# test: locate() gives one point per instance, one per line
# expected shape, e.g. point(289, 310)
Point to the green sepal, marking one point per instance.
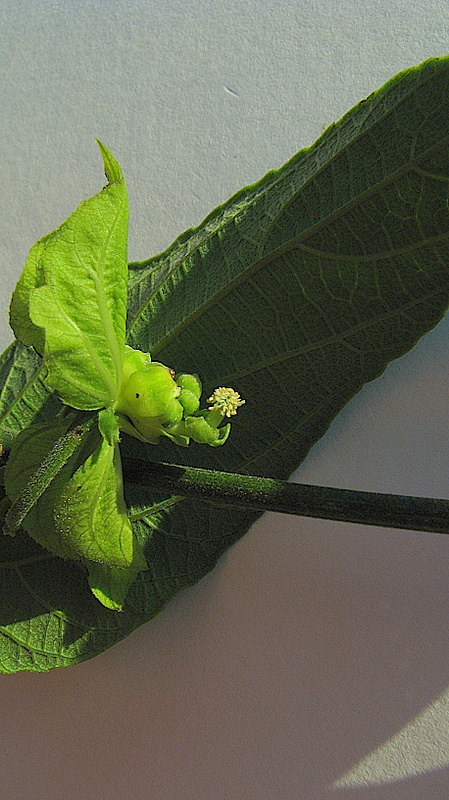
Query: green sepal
point(190, 382)
point(148, 392)
point(149, 400)
point(199, 429)
point(127, 426)
point(189, 402)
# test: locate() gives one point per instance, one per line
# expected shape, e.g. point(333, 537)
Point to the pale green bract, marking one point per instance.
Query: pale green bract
point(81, 515)
point(70, 305)
point(74, 288)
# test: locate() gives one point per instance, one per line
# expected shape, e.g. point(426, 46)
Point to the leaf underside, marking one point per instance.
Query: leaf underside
point(296, 292)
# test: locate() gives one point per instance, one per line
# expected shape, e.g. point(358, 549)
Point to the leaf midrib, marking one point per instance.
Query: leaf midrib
point(97, 276)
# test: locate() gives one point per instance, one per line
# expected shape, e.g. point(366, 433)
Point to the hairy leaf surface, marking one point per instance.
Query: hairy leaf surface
point(19, 316)
point(72, 296)
point(24, 398)
point(296, 292)
point(30, 449)
point(91, 516)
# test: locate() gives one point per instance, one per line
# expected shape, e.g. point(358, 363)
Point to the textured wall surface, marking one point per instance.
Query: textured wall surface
point(313, 662)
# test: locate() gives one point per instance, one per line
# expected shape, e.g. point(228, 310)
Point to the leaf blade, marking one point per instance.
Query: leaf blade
point(90, 511)
point(24, 398)
point(81, 305)
point(19, 313)
point(329, 276)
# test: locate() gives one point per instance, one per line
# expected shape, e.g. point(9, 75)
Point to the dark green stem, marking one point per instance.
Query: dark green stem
point(266, 494)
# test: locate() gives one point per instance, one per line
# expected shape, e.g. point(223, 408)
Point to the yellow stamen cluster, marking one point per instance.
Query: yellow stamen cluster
point(226, 401)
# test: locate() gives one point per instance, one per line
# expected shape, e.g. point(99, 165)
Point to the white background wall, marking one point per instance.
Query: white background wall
point(314, 661)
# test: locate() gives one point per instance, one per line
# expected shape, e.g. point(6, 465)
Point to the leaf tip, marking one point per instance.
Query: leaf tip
point(112, 168)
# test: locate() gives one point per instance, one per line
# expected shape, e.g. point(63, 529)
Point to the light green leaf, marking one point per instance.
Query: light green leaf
point(110, 585)
point(108, 426)
point(82, 306)
point(29, 452)
point(90, 512)
point(76, 428)
point(19, 314)
point(79, 512)
point(296, 292)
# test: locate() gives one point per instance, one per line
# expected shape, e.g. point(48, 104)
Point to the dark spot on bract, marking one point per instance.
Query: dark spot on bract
point(137, 394)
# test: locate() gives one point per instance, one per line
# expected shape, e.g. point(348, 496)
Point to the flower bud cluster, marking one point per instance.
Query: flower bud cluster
point(154, 401)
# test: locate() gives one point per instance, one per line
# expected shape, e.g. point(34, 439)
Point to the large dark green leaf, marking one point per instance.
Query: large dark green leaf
point(296, 292)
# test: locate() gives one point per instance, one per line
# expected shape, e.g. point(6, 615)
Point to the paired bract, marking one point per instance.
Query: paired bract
point(64, 478)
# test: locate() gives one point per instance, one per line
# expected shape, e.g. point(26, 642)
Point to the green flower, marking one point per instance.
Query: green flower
point(154, 402)
point(148, 403)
